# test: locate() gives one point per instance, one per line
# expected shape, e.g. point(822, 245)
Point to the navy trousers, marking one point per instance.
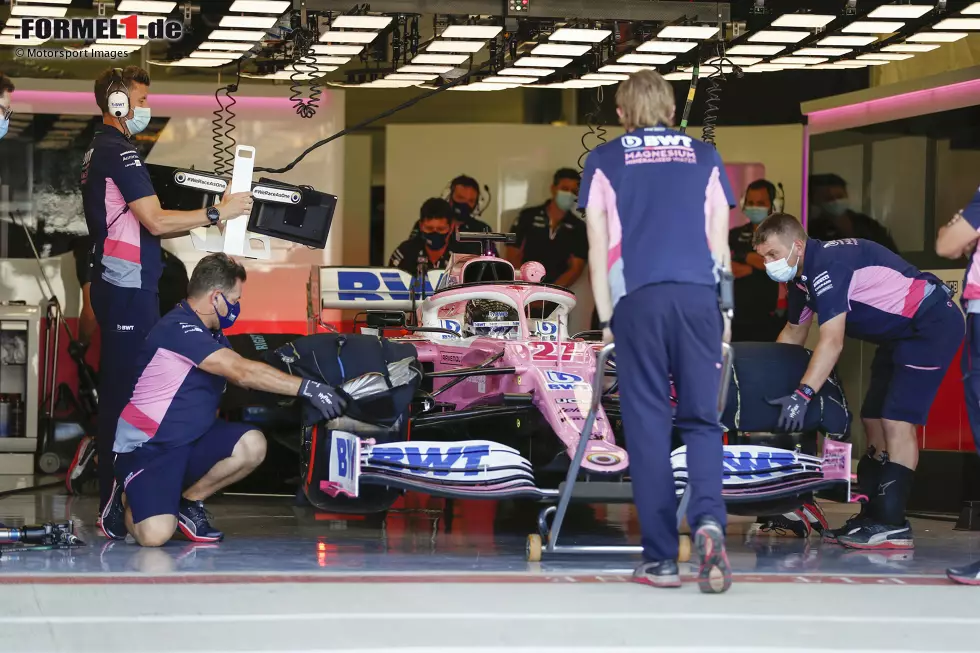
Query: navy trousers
point(970, 364)
point(670, 330)
point(125, 316)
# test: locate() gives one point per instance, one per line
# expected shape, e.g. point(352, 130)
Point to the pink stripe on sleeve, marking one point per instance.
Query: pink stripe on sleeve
point(603, 195)
point(886, 289)
point(714, 194)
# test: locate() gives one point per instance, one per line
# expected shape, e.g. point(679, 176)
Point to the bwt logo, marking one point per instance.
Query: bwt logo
point(345, 458)
point(90, 29)
point(761, 464)
point(361, 284)
point(435, 460)
point(563, 380)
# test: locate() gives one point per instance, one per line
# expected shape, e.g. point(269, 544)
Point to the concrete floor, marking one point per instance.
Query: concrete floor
point(432, 576)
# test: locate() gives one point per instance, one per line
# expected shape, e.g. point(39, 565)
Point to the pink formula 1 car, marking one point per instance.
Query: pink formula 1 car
point(501, 393)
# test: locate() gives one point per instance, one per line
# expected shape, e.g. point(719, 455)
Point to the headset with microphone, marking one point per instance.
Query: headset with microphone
point(117, 95)
point(776, 200)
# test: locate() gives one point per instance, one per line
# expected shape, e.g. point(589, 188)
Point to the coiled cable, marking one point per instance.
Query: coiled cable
point(223, 142)
point(713, 103)
point(593, 128)
point(304, 63)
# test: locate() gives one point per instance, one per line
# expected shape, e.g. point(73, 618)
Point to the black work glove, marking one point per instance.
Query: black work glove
point(792, 411)
point(328, 400)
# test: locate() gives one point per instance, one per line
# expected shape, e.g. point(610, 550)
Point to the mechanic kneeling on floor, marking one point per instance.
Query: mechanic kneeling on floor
point(650, 196)
point(861, 289)
point(172, 452)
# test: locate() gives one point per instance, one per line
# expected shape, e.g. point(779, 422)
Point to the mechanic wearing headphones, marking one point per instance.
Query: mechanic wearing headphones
point(429, 250)
point(860, 289)
point(172, 452)
point(464, 198)
point(957, 239)
point(552, 235)
point(650, 197)
point(126, 222)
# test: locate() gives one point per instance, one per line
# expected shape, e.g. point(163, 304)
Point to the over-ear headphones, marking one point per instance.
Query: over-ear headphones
point(775, 205)
point(117, 95)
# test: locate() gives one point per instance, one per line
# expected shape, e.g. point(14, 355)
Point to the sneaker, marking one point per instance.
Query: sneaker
point(815, 517)
point(878, 536)
point(112, 522)
point(853, 523)
point(966, 575)
point(82, 466)
point(715, 574)
point(192, 519)
point(793, 524)
point(658, 574)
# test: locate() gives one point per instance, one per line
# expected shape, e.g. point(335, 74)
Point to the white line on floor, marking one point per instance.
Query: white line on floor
point(423, 617)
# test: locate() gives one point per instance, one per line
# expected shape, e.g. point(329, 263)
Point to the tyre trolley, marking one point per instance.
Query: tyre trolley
point(545, 541)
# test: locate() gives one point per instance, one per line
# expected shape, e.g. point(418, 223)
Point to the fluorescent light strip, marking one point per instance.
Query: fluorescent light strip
point(226, 45)
point(411, 77)
point(777, 36)
point(619, 68)
point(485, 32)
point(444, 59)
point(455, 46)
point(675, 77)
point(676, 47)
point(509, 79)
point(763, 68)
point(260, 6)
point(576, 35)
point(361, 22)
point(193, 63)
point(50, 2)
point(738, 61)
point(687, 32)
point(331, 61)
point(255, 22)
point(435, 70)
point(338, 50)
point(542, 62)
point(822, 52)
point(810, 21)
point(481, 86)
point(561, 49)
point(607, 77)
point(236, 35)
point(586, 83)
point(884, 56)
point(38, 11)
point(958, 24)
point(761, 50)
point(937, 37)
point(333, 36)
point(646, 59)
point(856, 41)
point(805, 61)
point(537, 72)
point(10, 31)
point(901, 11)
point(145, 6)
point(972, 10)
point(873, 27)
point(910, 47)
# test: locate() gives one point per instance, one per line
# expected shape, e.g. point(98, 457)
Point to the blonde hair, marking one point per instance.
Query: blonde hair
point(644, 100)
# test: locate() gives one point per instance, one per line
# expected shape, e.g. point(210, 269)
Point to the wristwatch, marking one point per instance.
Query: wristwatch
point(213, 215)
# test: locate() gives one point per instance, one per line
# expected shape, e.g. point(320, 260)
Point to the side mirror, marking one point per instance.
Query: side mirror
point(385, 319)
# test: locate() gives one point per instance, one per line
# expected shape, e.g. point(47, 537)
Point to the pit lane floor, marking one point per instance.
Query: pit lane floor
point(432, 576)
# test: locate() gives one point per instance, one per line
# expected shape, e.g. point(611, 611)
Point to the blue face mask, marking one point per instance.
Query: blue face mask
point(756, 214)
point(435, 241)
point(565, 200)
point(4, 126)
point(836, 208)
point(139, 121)
point(225, 321)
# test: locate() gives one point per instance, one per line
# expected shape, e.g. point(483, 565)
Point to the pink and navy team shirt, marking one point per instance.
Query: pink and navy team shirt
point(971, 282)
point(657, 186)
point(174, 401)
point(878, 290)
point(126, 255)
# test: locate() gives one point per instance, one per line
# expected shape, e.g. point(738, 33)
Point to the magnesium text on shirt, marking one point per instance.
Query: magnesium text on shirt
point(90, 29)
point(658, 148)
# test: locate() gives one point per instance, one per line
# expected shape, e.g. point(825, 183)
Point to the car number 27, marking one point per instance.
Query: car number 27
point(549, 351)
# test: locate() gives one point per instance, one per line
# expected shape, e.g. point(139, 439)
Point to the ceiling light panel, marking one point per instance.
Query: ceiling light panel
point(763, 68)
point(937, 37)
point(646, 59)
point(333, 36)
point(575, 35)
point(823, 52)
point(676, 77)
point(855, 41)
point(411, 77)
point(738, 61)
point(145, 6)
point(910, 47)
point(605, 77)
point(435, 70)
point(389, 83)
point(480, 86)
point(194, 63)
point(361, 22)
point(668, 46)
point(620, 68)
point(48, 2)
point(226, 45)
point(444, 59)
point(758, 50)
point(958, 23)
point(885, 56)
point(338, 50)
point(803, 61)
point(972, 10)
point(687, 32)
point(537, 72)
point(236, 35)
point(810, 21)
point(455, 46)
point(509, 79)
point(873, 27)
point(561, 49)
point(542, 62)
point(484, 32)
point(253, 22)
point(38, 11)
point(260, 6)
point(13, 40)
point(778, 36)
point(901, 11)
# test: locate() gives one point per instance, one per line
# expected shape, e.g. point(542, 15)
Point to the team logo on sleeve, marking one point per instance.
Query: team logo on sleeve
point(821, 283)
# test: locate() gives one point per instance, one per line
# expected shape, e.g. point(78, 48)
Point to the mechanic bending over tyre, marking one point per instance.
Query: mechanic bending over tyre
point(126, 222)
point(861, 289)
point(656, 276)
point(172, 452)
point(957, 239)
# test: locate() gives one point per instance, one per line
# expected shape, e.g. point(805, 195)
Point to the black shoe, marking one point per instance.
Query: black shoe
point(855, 522)
point(658, 574)
point(794, 523)
point(966, 575)
point(878, 536)
point(113, 518)
point(715, 574)
point(192, 519)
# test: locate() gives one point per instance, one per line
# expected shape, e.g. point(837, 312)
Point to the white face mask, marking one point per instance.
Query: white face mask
point(781, 270)
point(139, 121)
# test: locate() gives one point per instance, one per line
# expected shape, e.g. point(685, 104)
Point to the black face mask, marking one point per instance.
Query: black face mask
point(463, 211)
point(435, 240)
